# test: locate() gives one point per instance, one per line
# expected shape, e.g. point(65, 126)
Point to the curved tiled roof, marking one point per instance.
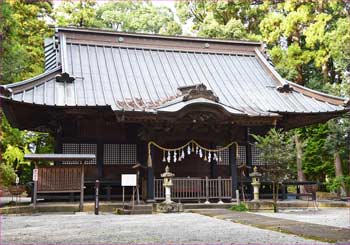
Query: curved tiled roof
point(132, 77)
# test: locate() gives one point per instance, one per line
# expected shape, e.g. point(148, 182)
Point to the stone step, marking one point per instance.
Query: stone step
point(133, 212)
point(147, 207)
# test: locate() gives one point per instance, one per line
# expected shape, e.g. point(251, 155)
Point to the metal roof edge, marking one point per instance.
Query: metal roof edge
point(343, 100)
point(277, 76)
point(33, 79)
point(302, 89)
point(314, 113)
point(156, 36)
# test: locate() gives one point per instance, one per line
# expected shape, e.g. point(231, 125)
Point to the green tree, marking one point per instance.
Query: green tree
point(231, 19)
point(130, 16)
point(138, 17)
point(277, 151)
point(339, 46)
point(296, 33)
point(23, 28)
point(80, 13)
point(15, 143)
point(317, 163)
point(336, 143)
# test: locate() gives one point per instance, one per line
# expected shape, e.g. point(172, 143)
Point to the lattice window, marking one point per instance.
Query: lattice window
point(242, 154)
point(111, 154)
point(256, 159)
point(128, 154)
point(224, 156)
point(74, 148)
point(119, 154)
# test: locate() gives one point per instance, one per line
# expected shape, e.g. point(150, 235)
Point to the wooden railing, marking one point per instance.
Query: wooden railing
point(195, 189)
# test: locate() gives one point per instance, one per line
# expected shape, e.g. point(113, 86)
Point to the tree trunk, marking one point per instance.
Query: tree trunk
point(348, 189)
point(274, 197)
point(325, 71)
point(276, 205)
point(339, 172)
point(301, 175)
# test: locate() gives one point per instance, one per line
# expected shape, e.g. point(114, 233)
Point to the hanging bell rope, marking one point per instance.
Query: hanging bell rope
point(190, 147)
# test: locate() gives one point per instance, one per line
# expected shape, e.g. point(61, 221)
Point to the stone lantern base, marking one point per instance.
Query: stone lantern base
point(172, 207)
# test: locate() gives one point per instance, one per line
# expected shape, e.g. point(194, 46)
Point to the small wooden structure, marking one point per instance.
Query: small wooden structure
point(59, 179)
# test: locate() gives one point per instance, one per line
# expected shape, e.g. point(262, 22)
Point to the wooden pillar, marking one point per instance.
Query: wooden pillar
point(248, 148)
point(233, 169)
point(142, 159)
point(249, 159)
point(81, 205)
point(58, 144)
point(35, 193)
point(99, 160)
point(150, 178)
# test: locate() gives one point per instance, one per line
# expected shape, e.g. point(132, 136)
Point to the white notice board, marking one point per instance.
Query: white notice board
point(128, 179)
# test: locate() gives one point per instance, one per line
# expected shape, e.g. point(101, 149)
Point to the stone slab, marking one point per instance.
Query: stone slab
point(307, 230)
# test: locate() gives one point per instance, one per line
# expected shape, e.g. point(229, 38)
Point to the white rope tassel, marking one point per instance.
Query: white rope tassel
point(163, 160)
point(175, 158)
point(169, 157)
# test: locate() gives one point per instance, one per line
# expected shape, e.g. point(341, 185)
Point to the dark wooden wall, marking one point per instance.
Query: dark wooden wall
point(99, 131)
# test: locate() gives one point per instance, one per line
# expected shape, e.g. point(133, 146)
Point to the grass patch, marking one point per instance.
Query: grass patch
point(240, 208)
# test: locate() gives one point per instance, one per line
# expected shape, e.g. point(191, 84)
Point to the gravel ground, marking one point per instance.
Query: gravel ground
point(338, 217)
point(184, 228)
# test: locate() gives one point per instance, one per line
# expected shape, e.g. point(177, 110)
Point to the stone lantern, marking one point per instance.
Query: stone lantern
point(256, 182)
point(167, 183)
point(168, 206)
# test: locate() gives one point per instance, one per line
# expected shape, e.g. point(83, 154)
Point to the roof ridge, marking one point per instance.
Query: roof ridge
point(149, 35)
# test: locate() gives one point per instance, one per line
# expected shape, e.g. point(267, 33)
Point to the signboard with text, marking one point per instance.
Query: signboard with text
point(128, 179)
point(35, 174)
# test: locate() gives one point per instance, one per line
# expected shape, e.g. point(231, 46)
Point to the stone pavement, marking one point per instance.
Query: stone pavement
point(307, 230)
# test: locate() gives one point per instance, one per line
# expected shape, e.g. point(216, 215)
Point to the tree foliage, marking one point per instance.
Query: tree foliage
point(129, 16)
point(278, 152)
point(15, 143)
point(77, 13)
point(24, 28)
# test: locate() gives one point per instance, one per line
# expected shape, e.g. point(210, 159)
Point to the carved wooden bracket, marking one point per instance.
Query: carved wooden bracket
point(197, 91)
